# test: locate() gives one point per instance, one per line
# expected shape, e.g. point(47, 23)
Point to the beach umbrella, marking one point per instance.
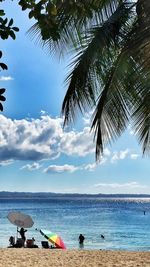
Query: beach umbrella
point(53, 238)
point(20, 219)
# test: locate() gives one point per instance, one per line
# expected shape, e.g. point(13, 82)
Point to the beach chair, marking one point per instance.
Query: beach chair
point(45, 244)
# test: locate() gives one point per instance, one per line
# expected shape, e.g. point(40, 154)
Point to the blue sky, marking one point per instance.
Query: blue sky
point(36, 154)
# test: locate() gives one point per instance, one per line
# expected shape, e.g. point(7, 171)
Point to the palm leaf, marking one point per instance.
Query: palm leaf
point(112, 113)
point(126, 94)
point(82, 91)
point(141, 110)
point(70, 24)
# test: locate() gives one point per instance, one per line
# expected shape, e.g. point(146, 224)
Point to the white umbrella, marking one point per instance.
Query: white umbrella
point(20, 220)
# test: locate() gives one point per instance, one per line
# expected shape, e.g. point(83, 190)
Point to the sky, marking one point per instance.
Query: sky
point(36, 153)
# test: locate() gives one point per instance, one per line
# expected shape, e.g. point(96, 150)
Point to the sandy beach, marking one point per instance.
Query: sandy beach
point(72, 258)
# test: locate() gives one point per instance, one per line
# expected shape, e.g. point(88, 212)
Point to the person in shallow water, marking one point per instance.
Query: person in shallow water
point(81, 240)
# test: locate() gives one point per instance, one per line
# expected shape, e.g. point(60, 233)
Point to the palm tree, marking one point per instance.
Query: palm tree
point(110, 72)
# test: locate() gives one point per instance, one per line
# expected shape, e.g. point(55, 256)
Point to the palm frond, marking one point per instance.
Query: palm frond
point(112, 112)
point(68, 27)
point(138, 47)
point(82, 91)
point(126, 95)
point(141, 110)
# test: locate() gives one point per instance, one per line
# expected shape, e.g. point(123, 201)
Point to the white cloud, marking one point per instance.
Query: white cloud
point(29, 140)
point(32, 167)
point(129, 185)
point(90, 167)
point(87, 118)
point(119, 155)
point(107, 152)
point(6, 162)
point(93, 166)
point(60, 168)
point(43, 112)
point(134, 156)
point(6, 78)
point(43, 138)
point(72, 168)
point(77, 143)
point(124, 153)
point(114, 157)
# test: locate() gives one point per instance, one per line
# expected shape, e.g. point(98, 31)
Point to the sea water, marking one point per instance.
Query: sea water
point(121, 220)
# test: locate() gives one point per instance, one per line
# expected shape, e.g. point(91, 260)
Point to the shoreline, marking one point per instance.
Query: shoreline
point(20, 257)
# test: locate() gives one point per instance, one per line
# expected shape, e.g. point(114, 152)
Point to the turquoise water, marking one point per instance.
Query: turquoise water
point(121, 221)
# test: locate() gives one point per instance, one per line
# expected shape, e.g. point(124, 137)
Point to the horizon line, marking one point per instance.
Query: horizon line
point(67, 193)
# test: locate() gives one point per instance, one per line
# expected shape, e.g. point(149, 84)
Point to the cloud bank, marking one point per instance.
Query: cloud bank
point(42, 138)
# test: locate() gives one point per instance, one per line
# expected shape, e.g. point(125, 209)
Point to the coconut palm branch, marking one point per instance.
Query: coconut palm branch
point(73, 19)
point(82, 89)
point(110, 69)
point(101, 62)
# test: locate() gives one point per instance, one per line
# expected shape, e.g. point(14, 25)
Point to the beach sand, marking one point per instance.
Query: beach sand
point(15, 257)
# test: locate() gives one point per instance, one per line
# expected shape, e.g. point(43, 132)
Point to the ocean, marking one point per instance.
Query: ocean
point(120, 220)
